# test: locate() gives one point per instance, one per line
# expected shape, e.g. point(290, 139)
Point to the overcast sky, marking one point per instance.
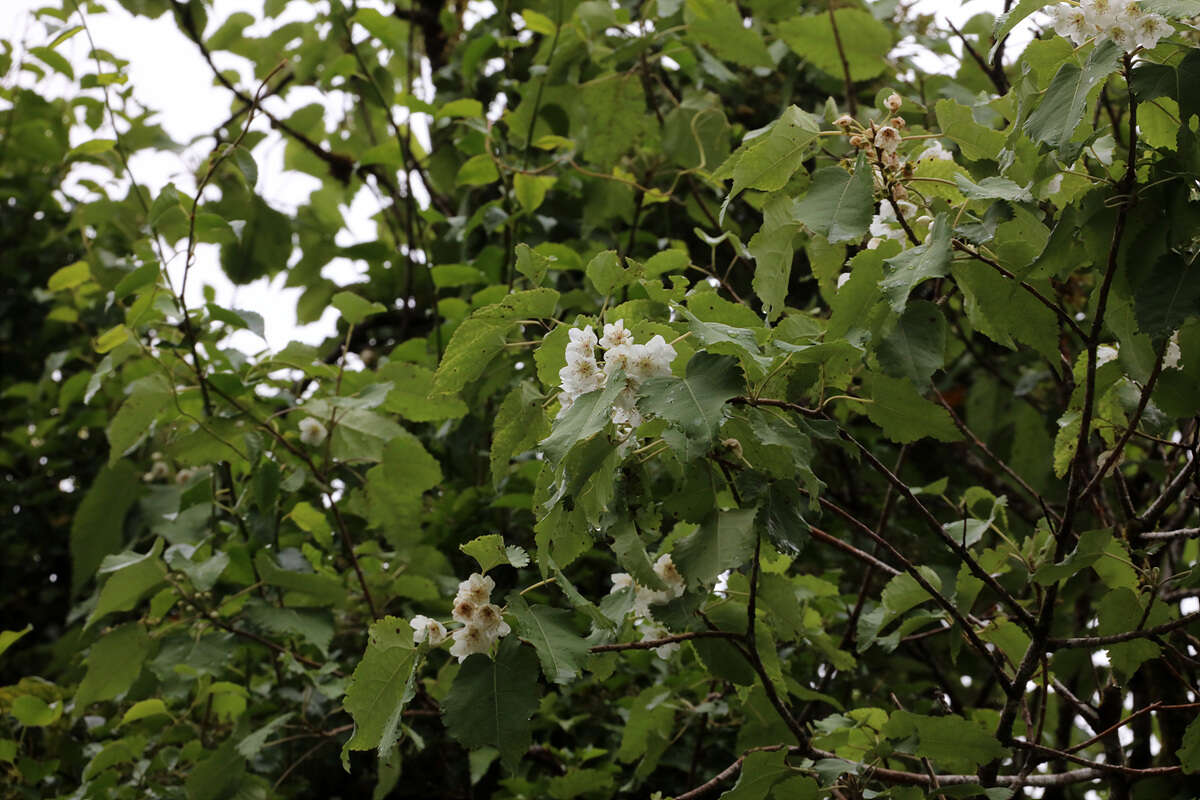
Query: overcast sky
point(169, 75)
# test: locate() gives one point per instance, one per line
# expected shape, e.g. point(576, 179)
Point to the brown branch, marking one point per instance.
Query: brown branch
point(995, 73)
point(1116, 638)
point(1181, 533)
point(1100, 766)
point(650, 644)
point(851, 100)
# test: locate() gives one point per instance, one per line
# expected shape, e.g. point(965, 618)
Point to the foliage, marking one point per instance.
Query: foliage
point(745, 409)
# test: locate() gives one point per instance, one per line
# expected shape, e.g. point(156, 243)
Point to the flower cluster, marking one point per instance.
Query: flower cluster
point(584, 373)
point(1121, 21)
point(644, 597)
point(483, 623)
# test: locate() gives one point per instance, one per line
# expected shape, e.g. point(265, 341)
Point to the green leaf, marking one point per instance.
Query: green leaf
point(631, 554)
point(992, 188)
point(112, 338)
point(144, 709)
point(718, 25)
point(760, 771)
point(218, 776)
point(1010, 19)
point(56, 61)
point(113, 664)
point(69, 276)
point(98, 527)
point(381, 686)
point(489, 551)
point(958, 124)
point(314, 589)
point(722, 339)
point(129, 582)
point(1119, 611)
point(586, 417)
point(9, 638)
point(477, 170)
point(865, 41)
point(314, 627)
point(781, 519)
point(246, 165)
point(614, 116)
point(1061, 109)
point(136, 414)
point(917, 264)
point(562, 653)
point(838, 205)
point(773, 251)
point(1090, 548)
point(252, 745)
point(950, 741)
point(903, 414)
point(396, 486)
point(355, 309)
point(520, 423)
point(1168, 296)
point(915, 348)
point(724, 540)
point(768, 162)
point(490, 702)
point(607, 273)
point(532, 264)
point(694, 405)
point(1189, 751)
point(409, 395)
point(463, 107)
point(531, 189)
point(34, 712)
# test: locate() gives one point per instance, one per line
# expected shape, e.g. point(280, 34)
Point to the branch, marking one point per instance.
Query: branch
point(851, 100)
point(1116, 638)
point(1181, 533)
point(650, 644)
point(1058, 310)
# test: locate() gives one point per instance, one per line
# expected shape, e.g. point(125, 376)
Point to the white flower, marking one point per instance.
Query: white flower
point(1121, 34)
point(845, 276)
point(618, 357)
point(1172, 355)
point(642, 599)
point(620, 580)
point(489, 618)
point(650, 360)
point(1105, 353)
point(616, 335)
point(893, 102)
point(159, 471)
point(184, 476)
point(665, 569)
point(582, 344)
point(653, 632)
point(936, 151)
point(887, 139)
point(1101, 14)
point(1071, 22)
point(874, 242)
point(581, 377)
point(426, 629)
point(312, 432)
point(468, 641)
point(477, 589)
point(1148, 29)
point(625, 412)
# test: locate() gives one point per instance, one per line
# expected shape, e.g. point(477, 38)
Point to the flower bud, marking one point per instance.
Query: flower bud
point(893, 102)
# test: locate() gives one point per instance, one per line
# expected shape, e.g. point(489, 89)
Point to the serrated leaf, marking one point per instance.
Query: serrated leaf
point(718, 25)
point(865, 42)
point(958, 124)
point(992, 188)
point(1189, 750)
point(631, 554)
point(396, 485)
point(917, 264)
point(489, 551)
point(760, 771)
point(561, 651)
point(1168, 296)
point(694, 405)
point(113, 664)
point(903, 414)
point(586, 417)
point(530, 190)
point(950, 741)
point(126, 585)
point(838, 205)
point(381, 686)
point(915, 348)
point(1089, 549)
point(520, 423)
point(724, 540)
point(768, 162)
point(490, 702)
point(99, 523)
point(1061, 108)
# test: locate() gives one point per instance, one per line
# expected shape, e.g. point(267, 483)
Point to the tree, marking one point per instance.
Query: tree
point(746, 410)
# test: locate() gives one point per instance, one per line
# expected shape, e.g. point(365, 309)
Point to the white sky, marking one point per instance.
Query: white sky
point(169, 75)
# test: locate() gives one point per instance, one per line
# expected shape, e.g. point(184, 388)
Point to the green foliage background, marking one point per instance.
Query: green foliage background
point(930, 483)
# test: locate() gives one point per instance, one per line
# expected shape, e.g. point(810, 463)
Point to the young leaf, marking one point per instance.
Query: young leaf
point(917, 264)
